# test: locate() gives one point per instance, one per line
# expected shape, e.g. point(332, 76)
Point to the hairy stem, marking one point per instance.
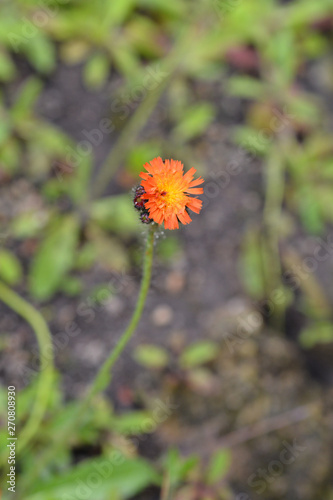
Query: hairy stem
point(103, 377)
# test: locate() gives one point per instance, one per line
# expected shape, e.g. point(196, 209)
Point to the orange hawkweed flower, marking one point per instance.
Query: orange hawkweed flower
point(168, 192)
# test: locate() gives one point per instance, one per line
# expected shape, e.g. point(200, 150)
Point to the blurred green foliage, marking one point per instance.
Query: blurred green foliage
point(257, 51)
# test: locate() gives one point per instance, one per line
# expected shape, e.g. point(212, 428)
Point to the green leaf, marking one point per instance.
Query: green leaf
point(41, 53)
point(318, 333)
point(96, 71)
point(10, 267)
point(97, 418)
point(78, 185)
point(252, 265)
point(310, 209)
point(29, 224)
point(25, 101)
point(71, 285)
point(303, 108)
point(7, 68)
point(112, 473)
point(117, 214)
point(126, 60)
point(177, 467)
point(151, 356)
point(117, 11)
point(218, 466)
point(86, 256)
point(304, 12)
point(323, 195)
point(281, 51)
point(54, 258)
point(249, 139)
point(5, 131)
point(28, 394)
point(132, 423)
point(198, 353)
point(246, 87)
point(195, 121)
point(10, 155)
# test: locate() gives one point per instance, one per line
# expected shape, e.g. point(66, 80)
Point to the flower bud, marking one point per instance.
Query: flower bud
point(145, 217)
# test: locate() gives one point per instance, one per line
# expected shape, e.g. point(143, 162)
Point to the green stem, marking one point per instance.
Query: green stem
point(46, 376)
point(127, 136)
point(103, 377)
point(166, 487)
point(275, 190)
point(182, 48)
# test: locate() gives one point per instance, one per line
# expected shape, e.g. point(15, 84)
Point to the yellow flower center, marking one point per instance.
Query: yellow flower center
point(171, 192)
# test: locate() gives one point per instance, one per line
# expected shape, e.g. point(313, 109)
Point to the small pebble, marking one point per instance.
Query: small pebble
point(162, 315)
point(114, 306)
point(175, 282)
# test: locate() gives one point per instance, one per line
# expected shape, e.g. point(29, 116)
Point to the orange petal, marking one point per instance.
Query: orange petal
point(184, 217)
point(171, 222)
point(144, 175)
point(189, 175)
point(195, 190)
point(196, 182)
point(177, 166)
point(157, 216)
point(149, 168)
point(195, 205)
point(157, 164)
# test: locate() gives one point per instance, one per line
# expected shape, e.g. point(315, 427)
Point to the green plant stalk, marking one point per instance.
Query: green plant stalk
point(183, 48)
point(103, 377)
point(275, 190)
point(46, 375)
point(166, 487)
point(127, 136)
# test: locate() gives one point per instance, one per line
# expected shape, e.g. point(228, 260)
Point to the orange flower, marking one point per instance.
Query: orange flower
point(168, 192)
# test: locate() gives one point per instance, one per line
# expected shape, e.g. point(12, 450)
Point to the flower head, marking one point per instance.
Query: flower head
point(169, 191)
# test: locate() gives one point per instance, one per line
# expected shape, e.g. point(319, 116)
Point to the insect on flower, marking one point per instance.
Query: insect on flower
point(168, 192)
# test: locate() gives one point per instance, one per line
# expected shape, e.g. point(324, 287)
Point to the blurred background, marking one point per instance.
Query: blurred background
point(225, 391)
